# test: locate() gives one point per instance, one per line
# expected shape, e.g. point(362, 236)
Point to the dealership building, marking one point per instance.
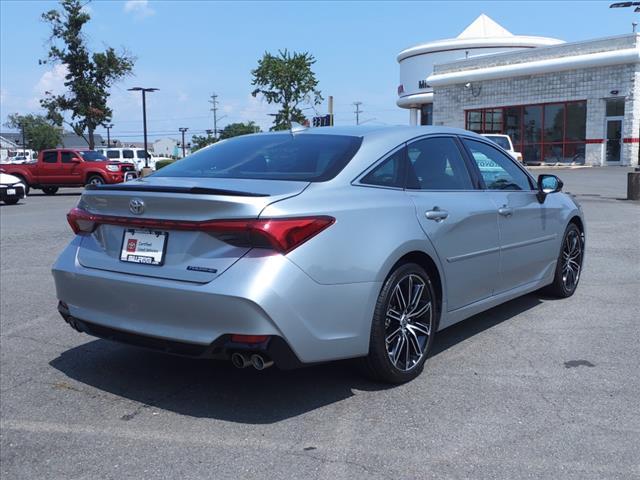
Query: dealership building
point(561, 103)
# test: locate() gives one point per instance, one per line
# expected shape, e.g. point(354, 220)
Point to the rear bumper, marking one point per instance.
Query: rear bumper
point(258, 295)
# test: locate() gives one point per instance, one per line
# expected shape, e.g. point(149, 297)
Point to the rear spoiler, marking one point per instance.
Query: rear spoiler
point(190, 190)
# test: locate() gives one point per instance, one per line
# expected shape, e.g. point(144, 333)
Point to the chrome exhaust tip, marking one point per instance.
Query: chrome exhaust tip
point(259, 362)
point(240, 360)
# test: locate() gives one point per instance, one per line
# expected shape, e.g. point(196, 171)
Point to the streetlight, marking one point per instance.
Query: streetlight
point(144, 120)
point(182, 131)
point(109, 127)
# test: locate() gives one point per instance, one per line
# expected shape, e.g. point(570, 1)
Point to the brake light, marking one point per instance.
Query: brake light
point(81, 221)
point(279, 234)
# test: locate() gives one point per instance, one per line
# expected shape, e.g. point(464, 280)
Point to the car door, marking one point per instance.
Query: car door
point(528, 229)
point(49, 168)
point(459, 219)
point(70, 170)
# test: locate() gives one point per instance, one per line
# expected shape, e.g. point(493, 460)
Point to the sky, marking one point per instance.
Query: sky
point(190, 49)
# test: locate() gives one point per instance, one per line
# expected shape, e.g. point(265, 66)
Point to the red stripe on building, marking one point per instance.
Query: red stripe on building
point(594, 140)
point(631, 140)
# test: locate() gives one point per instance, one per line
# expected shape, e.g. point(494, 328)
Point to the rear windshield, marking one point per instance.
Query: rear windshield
point(91, 156)
point(309, 158)
point(502, 141)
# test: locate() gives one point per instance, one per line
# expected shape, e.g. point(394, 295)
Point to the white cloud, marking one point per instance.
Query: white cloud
point(50, 81)
point(139, 8)
point(182, 96)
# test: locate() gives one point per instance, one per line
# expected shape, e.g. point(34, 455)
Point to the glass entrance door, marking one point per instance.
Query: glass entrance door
point(613, 144)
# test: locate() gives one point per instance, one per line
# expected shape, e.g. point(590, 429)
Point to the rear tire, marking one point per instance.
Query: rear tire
point(95, 180)
point(50, 190)
point(569, 264)
point(403, 327)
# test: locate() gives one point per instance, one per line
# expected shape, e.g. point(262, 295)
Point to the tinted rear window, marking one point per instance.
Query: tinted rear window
point(91, 156)
point(113, 154)
point(309, 158)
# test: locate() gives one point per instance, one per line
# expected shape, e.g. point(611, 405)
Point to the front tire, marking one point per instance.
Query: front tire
point(569, 264)
point(95, 180)
point(404, 325)
point(11, 200)
point(50, 190)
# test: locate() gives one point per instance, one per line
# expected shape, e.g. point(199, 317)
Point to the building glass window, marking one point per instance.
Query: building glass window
point(426, 114)
point(553, 132)
point(474, 120)
point(615, 107)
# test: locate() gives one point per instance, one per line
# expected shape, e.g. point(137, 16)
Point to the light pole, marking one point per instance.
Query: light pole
point(109, 127)
point(144, 123)
point(24, 143)
point(183, 130)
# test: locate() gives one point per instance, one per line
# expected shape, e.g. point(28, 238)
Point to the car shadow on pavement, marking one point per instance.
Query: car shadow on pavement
point(210, 389)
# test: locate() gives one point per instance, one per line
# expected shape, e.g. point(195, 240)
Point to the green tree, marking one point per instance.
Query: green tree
point(201, 141)
point(40, 132)
point(286, 79)
point(236, 129)
point(89, 75)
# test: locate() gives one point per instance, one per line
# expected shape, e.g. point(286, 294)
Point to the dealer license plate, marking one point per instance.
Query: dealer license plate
point(11, 191)
point(144, 246)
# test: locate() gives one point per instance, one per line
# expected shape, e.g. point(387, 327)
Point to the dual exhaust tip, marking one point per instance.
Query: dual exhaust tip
point(256, 360)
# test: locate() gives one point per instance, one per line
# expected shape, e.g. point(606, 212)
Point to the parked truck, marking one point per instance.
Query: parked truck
point(65, 167)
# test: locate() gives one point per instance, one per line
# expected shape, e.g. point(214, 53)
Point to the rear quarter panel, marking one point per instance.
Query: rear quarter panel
point(374, 228)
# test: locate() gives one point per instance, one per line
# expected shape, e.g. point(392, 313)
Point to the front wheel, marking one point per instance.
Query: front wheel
point(95, 180)
point(50, 190)
point(569, 264)
point(403, 328)
point(11, 200)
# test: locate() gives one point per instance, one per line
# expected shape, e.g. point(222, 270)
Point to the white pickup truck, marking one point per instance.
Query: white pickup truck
point(505, 142)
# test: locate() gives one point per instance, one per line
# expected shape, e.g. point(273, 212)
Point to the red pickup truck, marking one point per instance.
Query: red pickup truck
point(65, 167)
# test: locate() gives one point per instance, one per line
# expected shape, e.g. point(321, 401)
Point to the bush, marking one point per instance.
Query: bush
point(163, 163)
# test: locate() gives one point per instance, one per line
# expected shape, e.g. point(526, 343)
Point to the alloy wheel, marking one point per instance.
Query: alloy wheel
point(571, 260)
point(408, 322)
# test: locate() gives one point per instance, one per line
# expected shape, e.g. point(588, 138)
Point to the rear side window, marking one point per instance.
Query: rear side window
point(50, 157)
point(303, 157)
point(127, 153)
point(388, 173)
point(498, 170)
point(113, 154)
point(437, 164)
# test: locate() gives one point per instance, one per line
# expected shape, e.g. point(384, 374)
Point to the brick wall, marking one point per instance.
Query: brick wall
point(591, 84)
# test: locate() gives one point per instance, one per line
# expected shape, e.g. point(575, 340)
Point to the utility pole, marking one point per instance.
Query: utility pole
point(109, 127)
point(357, 111)
point(24, 144)
point(214, 109)
point(183, 130)
point(331, 110)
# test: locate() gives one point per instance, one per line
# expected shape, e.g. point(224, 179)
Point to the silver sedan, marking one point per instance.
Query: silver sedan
point(310, 246)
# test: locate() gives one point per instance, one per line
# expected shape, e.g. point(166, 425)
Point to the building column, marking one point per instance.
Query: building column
point(413, 117)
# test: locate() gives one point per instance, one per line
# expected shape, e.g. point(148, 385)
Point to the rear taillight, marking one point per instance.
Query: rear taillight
point(279, 234)
point(81, 221)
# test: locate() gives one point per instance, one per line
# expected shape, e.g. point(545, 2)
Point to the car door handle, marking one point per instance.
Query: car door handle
point(505, 211)
point(436, 214)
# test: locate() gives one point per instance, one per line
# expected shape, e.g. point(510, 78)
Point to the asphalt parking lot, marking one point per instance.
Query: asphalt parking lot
point(535, 388)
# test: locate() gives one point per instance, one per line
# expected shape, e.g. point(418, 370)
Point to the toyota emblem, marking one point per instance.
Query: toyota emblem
point(136, 206)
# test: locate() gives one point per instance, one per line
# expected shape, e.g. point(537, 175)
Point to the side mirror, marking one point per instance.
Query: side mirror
point(548, 184)
point(76, 159)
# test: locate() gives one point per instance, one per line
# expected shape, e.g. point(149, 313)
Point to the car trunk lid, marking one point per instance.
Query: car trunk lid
point(190, 255)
